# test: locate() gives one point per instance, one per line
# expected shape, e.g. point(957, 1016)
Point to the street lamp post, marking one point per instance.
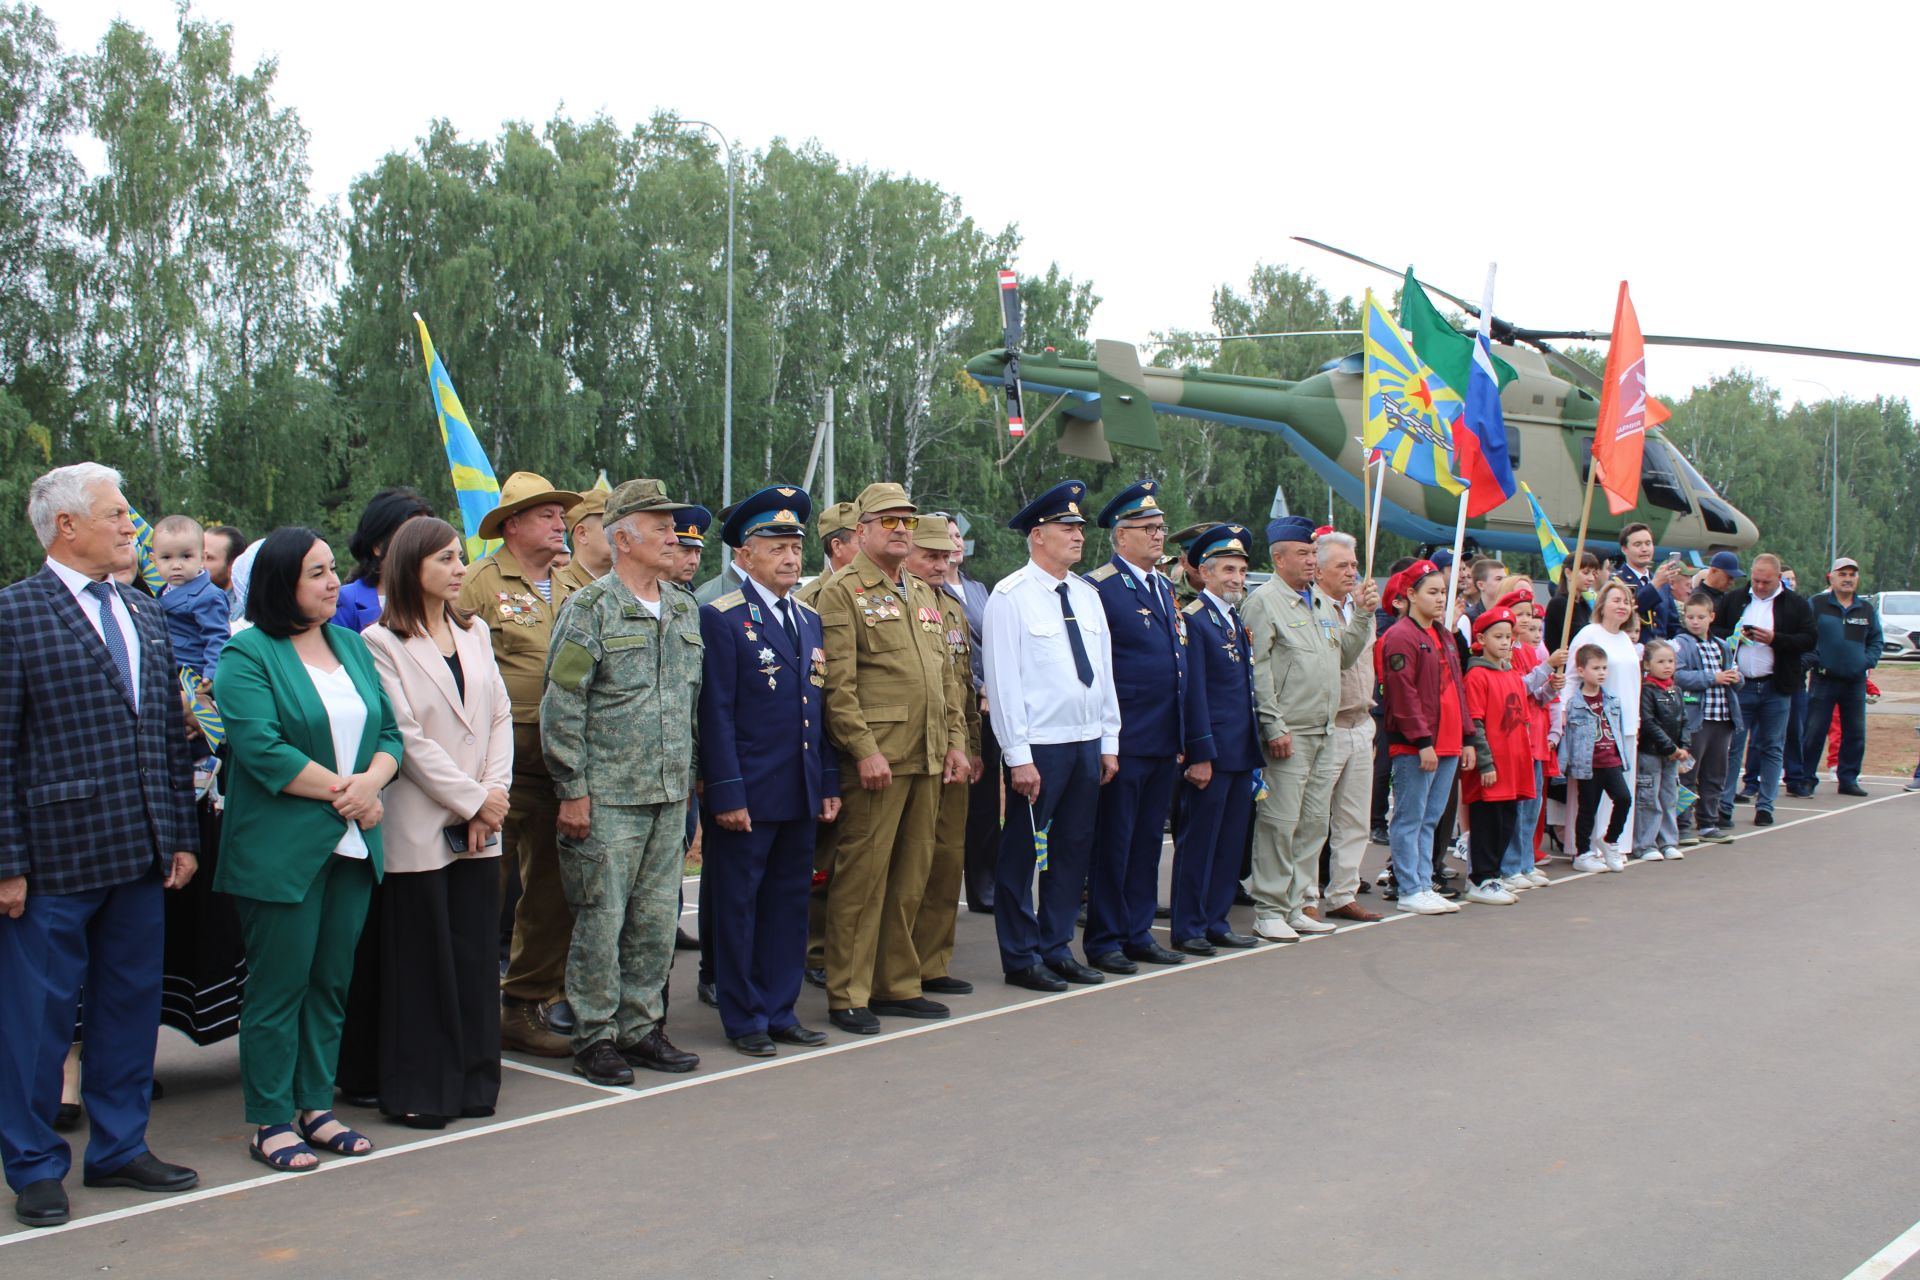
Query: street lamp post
point(726, 445)
point(1833, 481)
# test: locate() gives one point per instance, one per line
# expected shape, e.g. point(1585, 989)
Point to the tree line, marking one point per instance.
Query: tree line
point(184, 308)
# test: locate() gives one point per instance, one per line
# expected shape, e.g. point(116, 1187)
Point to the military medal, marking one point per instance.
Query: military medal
point(819, 676)
point(766, 655)
point(771, 673)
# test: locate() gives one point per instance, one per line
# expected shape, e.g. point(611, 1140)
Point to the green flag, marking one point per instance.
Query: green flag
point(1443, 348)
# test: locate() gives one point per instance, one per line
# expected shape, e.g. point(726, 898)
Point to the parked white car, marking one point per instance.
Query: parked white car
point(1900, 620)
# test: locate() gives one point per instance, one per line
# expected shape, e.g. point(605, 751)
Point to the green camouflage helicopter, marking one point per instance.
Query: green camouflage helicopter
point(1550, 410)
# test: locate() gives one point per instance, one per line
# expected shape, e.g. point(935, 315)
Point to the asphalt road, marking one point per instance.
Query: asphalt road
point(1701, 1069)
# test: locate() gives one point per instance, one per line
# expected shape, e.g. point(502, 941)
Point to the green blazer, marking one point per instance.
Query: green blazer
point(273, 845)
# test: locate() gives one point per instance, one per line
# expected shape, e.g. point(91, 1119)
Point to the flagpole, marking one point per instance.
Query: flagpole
point(1459, 541)
point(1373, 518)
point(1570, 572)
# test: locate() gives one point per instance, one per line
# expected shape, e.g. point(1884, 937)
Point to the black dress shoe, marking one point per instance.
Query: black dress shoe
point(420, 1120)
point(1364, 887)
point(1196, 947)
point(797, 1034)
point(1762, 817)
point(947, 986)
point(859, 1021)
point(657, 1053)
point(1035, 978)
point(1081, 919)
point(1233, 941)
point(815, 977)
point(42, 1203)
point(1154, 953)
point(602, 1064)
point(1852, 789)
point(918, 1007)
point(360, 1098)
point(147, 1172)
point(1163, 913)
point(67, 1118)
point(1113, 962)
point(757, 1045)
point(706, 994)
point(684, 941)
point(1241, 898)
point(1073, 971)
point(558, 1015)
point(1743, 797)
point(1378, 835)
point(475, 1113)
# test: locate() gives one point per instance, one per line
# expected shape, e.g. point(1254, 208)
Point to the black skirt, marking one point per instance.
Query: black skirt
point(205, 964)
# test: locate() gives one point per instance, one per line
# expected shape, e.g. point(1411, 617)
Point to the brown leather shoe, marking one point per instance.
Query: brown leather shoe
point(1311, 913)
point(1354, 911)
point(522, 1028)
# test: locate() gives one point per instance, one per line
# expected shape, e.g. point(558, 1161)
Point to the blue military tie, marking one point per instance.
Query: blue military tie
point(786, 620)
point(110, 633)
point(1082, 665)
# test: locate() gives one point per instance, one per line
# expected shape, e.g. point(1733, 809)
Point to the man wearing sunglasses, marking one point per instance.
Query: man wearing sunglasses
point(893, 710)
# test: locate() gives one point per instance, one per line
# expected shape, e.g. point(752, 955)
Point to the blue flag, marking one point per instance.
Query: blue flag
point(473, 482)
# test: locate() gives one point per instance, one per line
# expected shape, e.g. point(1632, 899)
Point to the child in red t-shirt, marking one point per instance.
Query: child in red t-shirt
point(1497, 700)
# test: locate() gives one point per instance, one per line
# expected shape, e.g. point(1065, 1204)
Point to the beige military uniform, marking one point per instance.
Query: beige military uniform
point(933, 927)
point(574, 577)
point(1298, 653)
point(499, 592)
point(890, 691)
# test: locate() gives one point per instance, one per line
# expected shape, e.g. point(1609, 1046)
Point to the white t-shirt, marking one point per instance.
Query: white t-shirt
point(1623, 675)
point(1756, 659)
point(347, 717)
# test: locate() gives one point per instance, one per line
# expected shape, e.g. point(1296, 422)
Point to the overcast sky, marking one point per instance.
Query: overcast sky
point(1750, 175)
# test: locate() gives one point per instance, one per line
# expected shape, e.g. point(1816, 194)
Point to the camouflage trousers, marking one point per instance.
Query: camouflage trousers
point(623, 883)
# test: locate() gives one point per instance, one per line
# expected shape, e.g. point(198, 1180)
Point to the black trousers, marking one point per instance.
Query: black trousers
point(1443, 834)
point(1610, 780)
point(1382, 773)
point(983, 823)
point(1491, 833)
point(440, 990)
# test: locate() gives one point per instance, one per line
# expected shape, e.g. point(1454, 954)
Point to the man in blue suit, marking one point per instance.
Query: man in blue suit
point(96, 818)
point(767, 774)
point(1216, 790)
point(1158, 723)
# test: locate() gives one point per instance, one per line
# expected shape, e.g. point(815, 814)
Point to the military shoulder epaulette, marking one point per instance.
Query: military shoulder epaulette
point(1011, 581)
point(804, 605)
point(731, 600)
point(1101, 574)
point(1193, 609)
point(588, 594)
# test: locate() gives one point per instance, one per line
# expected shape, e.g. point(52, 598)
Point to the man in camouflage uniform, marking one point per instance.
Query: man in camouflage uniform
point(623, 681)
point(939, 906)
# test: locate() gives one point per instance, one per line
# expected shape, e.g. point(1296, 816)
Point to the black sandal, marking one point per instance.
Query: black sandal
point(342, 1143)
point(283, 1159)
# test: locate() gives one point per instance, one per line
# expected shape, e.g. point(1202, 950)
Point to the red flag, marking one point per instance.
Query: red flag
point(1621, 431)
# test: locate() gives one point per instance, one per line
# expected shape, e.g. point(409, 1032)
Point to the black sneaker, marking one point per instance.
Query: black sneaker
point(601, 1063)
point(1743, 797)
point(1763, 817)
point(1378, 835)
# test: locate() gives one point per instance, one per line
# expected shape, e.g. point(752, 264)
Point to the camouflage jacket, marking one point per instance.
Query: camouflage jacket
point(617, 721)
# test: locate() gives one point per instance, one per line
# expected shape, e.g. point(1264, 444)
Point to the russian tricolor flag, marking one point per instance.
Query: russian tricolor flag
point(1480, 450)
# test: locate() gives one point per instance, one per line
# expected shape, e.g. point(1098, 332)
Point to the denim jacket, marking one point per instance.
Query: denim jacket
point(1582, 732)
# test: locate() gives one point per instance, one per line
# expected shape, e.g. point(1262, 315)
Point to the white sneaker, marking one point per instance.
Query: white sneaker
point(1672, 853)
point(1274, 930)
point(1589, 862)
point(1425, 903)
point(1301, 922)
point(1616, 860)
point(1459, 850)
point(1539, 878)
point(1516, 883)
point(1490, 893)
point(1651, 855)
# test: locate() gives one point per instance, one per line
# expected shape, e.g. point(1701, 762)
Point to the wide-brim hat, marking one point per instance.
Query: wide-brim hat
point(522, 490)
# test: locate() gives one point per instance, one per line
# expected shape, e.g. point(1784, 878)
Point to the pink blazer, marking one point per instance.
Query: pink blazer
point(456, 749)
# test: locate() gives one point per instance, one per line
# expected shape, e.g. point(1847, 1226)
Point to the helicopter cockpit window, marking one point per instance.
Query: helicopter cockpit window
point(1513, 443)
point(1659, 481)
point(1694, 478)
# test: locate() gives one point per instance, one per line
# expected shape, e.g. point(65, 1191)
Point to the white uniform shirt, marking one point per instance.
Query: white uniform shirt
point(1033, 690)
point(78, 583)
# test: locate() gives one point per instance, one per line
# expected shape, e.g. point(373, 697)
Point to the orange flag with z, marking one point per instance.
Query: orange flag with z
point(1626, 411)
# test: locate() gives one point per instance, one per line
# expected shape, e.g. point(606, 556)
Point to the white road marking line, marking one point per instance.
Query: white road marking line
point(1890, 1259)
point(565, 1077)
point(618, 1096)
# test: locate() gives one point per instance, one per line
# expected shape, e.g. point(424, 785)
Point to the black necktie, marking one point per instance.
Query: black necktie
point(1082, 664)
point(786, 620)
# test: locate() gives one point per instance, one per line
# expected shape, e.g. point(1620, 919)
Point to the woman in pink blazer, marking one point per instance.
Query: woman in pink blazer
point(439, 1028)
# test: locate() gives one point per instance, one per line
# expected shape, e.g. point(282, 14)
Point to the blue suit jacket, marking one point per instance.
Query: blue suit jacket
point(1157, 717)
point(197, 620)
point(1223, 686)
point(763, 742)
point(90, 793)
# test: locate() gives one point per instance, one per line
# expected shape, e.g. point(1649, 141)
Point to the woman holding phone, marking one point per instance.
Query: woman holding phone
point(439, 1026)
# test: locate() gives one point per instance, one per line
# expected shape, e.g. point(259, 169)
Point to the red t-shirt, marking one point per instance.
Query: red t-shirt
point(1498, 700)
point(1606, 752)
point(1525, 659)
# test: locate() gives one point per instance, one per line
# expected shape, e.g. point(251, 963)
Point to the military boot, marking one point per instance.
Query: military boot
point(522, 1028)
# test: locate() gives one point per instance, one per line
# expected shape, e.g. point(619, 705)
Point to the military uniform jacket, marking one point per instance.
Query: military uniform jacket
point(575, 575)
point(617, 719)
point(500, 593)
point(1219, 659)
point(763, 740)
point(888, 670)
point(1298, 654)
point(1157, 717)
point(959, 641)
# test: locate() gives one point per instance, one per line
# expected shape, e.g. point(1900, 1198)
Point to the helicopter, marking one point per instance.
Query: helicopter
point(1550, 410)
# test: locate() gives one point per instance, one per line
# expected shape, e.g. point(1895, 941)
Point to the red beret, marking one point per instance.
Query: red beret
point(1519, 595)
point(1492, 617)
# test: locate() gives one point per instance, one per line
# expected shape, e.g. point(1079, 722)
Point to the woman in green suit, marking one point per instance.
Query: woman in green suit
point(313, 741)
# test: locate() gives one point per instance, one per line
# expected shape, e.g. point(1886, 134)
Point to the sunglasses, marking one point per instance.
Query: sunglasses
point(891, 523)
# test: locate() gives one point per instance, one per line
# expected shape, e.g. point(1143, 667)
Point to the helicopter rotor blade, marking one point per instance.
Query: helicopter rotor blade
point(1780, 348)
point(1470, 308)
point(1010, 333)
